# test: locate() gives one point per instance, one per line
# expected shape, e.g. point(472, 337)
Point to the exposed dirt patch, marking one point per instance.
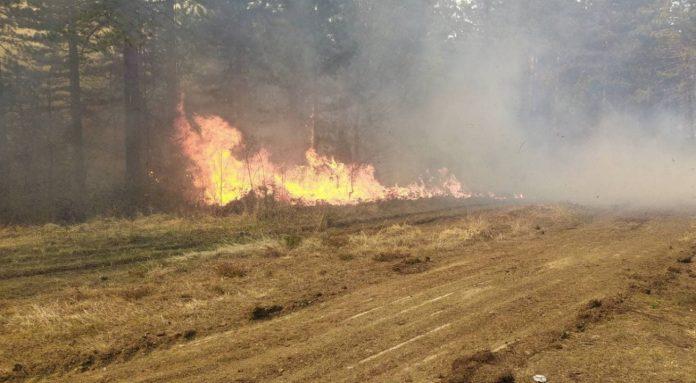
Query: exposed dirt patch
point(479, 367)
point(266, 312)
point(597, 310)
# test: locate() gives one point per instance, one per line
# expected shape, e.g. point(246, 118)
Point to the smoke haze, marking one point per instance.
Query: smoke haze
point(486, 108)
point(589, 101)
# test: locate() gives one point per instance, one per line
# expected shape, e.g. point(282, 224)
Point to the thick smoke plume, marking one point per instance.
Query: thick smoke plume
point(589, 101)
point(508, 112)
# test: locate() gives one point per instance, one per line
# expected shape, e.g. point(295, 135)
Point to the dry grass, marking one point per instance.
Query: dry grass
point(71, 294)
point(470, 230)
point(76, 299)
point(230, 270)
point(690, 236)
point(135, 293)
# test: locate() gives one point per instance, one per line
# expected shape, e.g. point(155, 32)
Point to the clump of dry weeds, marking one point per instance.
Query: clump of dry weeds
point(230, 270)
point(463, 233)
point(395, 239)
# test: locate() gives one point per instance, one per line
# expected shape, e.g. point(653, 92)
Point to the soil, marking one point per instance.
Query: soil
point(606, 297)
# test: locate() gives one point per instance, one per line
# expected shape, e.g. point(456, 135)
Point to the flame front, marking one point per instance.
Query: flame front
point(225, 170)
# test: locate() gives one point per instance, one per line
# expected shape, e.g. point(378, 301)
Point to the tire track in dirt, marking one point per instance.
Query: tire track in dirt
point(418, 321)
point(550, 289)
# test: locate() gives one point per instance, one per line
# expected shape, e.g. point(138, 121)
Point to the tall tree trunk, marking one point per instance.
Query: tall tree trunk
point(133, 127)
point(173, 85)
point(172, 96)
point(76, 131)
point(4, 157)
point(165, 158)
point(49, 198)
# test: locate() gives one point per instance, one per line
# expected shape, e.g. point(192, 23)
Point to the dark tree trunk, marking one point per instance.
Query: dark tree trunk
point(165, 158)
point(172, 95)
point(76, 131)
point(133, 127)
point(49, 198)
point(4, 157)
point(171, 69)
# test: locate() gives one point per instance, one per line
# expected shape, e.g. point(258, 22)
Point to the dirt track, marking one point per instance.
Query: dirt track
point(522, 298)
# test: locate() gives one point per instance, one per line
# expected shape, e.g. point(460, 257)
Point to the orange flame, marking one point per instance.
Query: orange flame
point(226, 170)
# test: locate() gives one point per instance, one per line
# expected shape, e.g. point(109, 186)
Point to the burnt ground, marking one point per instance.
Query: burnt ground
point(492, 294)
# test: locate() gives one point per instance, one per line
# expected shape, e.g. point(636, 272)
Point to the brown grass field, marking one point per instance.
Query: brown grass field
point(424, 291)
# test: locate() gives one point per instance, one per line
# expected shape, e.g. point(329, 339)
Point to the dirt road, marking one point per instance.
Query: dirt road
point(603, 299)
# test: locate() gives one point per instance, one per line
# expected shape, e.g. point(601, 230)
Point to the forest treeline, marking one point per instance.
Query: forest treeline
point(89, 89)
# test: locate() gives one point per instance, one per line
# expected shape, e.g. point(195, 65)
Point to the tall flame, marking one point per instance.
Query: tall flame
point(225, 169)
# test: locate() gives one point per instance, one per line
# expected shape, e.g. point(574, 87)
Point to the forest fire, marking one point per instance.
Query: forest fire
point(227, 170)
point(269, 190)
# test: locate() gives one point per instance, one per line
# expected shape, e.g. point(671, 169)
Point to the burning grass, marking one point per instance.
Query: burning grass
point(226, 170)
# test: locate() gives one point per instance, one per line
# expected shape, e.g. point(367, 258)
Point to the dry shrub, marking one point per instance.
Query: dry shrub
point(230, 270)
